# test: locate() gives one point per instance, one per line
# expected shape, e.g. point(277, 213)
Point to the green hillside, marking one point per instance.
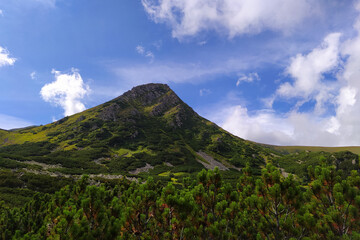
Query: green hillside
point(294, 149)
point(148, 131)
point(147, 125)
point(135, 168)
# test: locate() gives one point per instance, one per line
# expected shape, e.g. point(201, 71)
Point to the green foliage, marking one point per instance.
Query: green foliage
point(260, 207)
point(11, 164)
point(298, 163)
point(319, 199)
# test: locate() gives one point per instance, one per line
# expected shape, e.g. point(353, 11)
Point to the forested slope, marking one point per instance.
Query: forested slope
point(259, 207)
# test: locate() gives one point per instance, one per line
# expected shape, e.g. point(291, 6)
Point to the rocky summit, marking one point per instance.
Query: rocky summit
point(157, 98)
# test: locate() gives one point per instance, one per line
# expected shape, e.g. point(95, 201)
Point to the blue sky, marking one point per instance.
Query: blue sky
point(278, 72)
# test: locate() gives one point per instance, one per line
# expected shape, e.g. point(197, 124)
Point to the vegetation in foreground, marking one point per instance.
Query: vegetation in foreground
point(259, 207)
point(149, 133)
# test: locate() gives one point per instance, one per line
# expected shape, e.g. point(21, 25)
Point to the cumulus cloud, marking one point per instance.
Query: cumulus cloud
point(337, 124)
point(294, 127)
point(189, 17)
point(267, 126)
point(9, 122)
point(263, 126)
point(248, 78)
point(308, 70)
point(5, 59)
point(66, 91)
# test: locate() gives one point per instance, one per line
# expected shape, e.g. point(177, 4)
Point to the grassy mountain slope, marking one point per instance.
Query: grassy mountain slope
point(294, 149)
point(147, 127)
point(148, 131)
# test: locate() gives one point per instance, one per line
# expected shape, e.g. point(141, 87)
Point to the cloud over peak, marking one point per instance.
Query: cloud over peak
point(66, 91)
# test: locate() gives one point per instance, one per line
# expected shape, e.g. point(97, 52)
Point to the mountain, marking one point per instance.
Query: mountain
point(147, 131)
point(150, 131)
point(147, 128)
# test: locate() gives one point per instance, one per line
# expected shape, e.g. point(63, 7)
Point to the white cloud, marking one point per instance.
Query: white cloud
point(189, 17)
point(308, 74)
point(308, 70)
point(248, 78)
point(338, 127)
point(262, 126)
point(5, 59)
point(267, 126)
point(142, 51)
point(33, 75)
point(66, 91)
point(9, 122)
point(204, 92)
point(1, 13)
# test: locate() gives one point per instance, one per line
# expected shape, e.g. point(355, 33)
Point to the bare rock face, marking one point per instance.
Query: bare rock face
point(179, 118)
point(159, 97)
point(110, 113)
point(167, 102)
point(147, 94)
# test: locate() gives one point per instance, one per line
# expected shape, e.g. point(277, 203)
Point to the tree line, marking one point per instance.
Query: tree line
point(269, 206)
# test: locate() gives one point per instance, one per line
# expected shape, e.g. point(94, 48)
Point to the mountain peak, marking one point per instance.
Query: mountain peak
point(150, 87)
point(146, 94)
point(149, 99)
point(148, 125)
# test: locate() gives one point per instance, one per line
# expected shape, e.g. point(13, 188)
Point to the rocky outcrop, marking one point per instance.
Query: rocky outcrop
point(124, 106)
point(154, 99)
point(146, 95)
point(114, 113)
point(110, 113)
point(165, 103)
point(179, 117)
